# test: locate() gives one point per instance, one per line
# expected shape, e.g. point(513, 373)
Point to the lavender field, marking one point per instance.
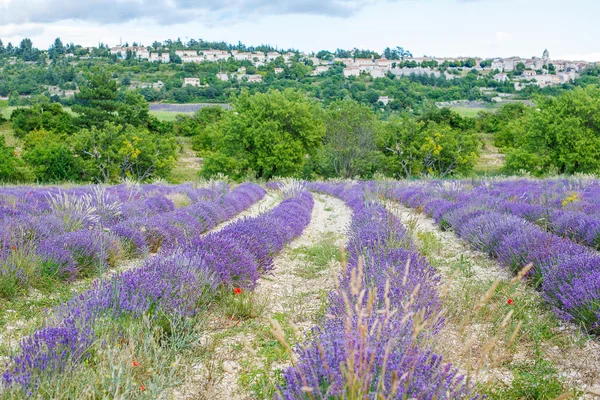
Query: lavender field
point(296, 290)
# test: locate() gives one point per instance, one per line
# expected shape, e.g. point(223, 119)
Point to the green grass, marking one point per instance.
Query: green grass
point(318, 256)
point(187, 166)
point(161, 115)
point(169, 115)
point(534, 375)
point(490, 160)
point(473, 112)
point(5, 112)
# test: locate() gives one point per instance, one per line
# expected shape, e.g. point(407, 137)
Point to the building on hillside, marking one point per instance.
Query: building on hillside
point(385, 100)
point(242, 56)
point(529, 73)
point(223, 77)
point(287, 57)
point(348, 62)
point(364, 61)
point(278, 71)
point(254, 78)
point(546, 56)
point(501, 77)
point(258, 56)
point(321, 69)
point(384, 63)
point(164, 57)
point(193, 59)
point(272, 55)
point(377, 73)
point(418, 71)
point(548, 80)
point(191, 82)
point(351, 71)
point(186, 53)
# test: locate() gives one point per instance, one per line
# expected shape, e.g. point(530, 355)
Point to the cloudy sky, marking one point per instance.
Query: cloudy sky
point(486, 28)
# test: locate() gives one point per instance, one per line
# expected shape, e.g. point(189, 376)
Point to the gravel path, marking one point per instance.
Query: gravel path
point(577, 359)
point(286, 292)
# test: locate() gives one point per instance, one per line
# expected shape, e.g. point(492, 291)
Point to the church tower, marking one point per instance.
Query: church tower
point(546, 56)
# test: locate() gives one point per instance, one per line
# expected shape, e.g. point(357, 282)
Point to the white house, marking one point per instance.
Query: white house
point(272, 55)
point(164, 57)
point(191, 82)
point(242, 56)
point(352, 71)
point(186, 53)
point(320, 69)
point(223, 77)
point(254, 78)
point(377, 73)
point(385, 100)
point(278, 71)
point(501, 77)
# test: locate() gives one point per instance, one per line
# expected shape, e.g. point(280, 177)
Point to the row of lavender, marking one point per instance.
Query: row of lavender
point(50, 233)
point(372, 343)
point(567, 273)
point(177, 283)
point(569, 208)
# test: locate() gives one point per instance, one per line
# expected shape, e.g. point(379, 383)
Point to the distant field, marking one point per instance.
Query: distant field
point(168, 115)
point(185, 108)
point(472, 112)
point(163, 115)
point(6, 111)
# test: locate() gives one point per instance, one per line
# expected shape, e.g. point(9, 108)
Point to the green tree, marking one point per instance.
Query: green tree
point(110, 153)
point(12, 168)
point(270, 134)
point(350, 141)
point(560, 135)
point(97, 103)
point(413, 147)
point(51, 158)
point(401, 139)
point(50, 117)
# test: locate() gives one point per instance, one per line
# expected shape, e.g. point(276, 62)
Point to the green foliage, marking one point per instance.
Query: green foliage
point(51, 158)
point(111, 153)
point(194, 125)
point(12, 168)
point(560, 135)
point(50, 117)
point(496, 122)
point(537, 380)
point(350, 148)
point(271, 134)
point(413, 147)
point(97, 103)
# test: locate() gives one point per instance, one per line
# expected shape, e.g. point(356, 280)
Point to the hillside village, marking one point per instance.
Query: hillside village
point(540, 71)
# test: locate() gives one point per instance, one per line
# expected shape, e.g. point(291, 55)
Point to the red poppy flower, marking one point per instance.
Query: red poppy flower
point(510, 302)
point(237, 290)
point(143, 387)
point(136, 364)
point(14, 247)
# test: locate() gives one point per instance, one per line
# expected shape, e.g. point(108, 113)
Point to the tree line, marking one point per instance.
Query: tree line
point(108, 135)
point(284, 133)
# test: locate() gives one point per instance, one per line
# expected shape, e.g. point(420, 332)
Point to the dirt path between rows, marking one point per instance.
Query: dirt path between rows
point(295, 291)
point(471, 273)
